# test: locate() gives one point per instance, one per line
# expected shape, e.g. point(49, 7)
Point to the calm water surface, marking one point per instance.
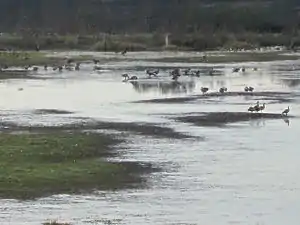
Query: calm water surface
point(246, 173)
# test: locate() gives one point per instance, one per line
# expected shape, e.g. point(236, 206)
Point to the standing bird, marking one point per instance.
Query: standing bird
point(77, 67)
point(204, 90)
point(124, 52)
point(261, 108)
point(222, 90)
point(257, 107)
point(286, 111)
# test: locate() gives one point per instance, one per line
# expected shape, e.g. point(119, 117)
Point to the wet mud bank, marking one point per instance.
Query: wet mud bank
point(144, 129)
point(222, 118)
point(275, 96)
point(51, 111)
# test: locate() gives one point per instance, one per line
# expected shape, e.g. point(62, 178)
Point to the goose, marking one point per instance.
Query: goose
point(96, 61)
point(126, 77)
point(45, 67)
point(243, 69)
point(204, 90)
point(68, 67)
point(251, 109)
point(124, 52)
point(257, 107)
point(77, 67)
point(35, 68)
point(27, 67)
point(187, 71)
point(261, 108)
point(235, 70)
point(222, 90)
point(152, 73)
point(69, 61)
point(286, 111)
point(175, 76)
point(250, 89)
point(133, 78)
point(197, 73)
point(97, 68)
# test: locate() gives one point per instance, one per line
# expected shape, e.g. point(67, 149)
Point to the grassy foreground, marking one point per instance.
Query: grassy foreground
point(37, 165)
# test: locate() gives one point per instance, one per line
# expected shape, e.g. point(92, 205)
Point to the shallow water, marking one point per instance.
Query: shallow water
point(245, 173)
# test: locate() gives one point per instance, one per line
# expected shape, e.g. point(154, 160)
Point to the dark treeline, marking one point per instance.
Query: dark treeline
point(143, 16)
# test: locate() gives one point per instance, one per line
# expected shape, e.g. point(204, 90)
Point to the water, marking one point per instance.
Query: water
point(245, 173)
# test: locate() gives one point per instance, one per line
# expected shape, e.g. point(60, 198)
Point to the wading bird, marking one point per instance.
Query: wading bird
point(286, 111)
point(261, 108)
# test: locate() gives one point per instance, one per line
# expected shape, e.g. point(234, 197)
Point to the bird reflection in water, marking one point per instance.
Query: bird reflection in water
point(258, 123)
point(174, 87)
point(287, 121)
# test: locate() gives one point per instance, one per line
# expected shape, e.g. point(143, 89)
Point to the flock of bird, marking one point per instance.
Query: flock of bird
point(176, 73)
point(260, 108)
point(68, 65)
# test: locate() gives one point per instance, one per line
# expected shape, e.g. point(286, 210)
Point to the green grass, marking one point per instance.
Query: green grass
point(232, 57)
point(197, 41)
point(26, 58)
point(36, 165)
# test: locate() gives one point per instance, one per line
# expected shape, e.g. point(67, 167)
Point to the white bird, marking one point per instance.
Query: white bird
point(286, 111)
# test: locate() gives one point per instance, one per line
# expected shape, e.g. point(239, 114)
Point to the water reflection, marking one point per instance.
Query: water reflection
point(258, 123)
point(174, 87)
point(287, 121)
point(291, 82)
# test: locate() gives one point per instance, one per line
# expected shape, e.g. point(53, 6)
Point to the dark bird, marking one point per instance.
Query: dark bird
point(286, 111)
point(204, 90)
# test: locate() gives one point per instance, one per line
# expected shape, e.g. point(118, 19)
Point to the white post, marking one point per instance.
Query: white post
point(167, 40)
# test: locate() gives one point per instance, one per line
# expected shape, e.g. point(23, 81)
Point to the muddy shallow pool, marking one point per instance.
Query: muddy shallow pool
point(243, 173)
